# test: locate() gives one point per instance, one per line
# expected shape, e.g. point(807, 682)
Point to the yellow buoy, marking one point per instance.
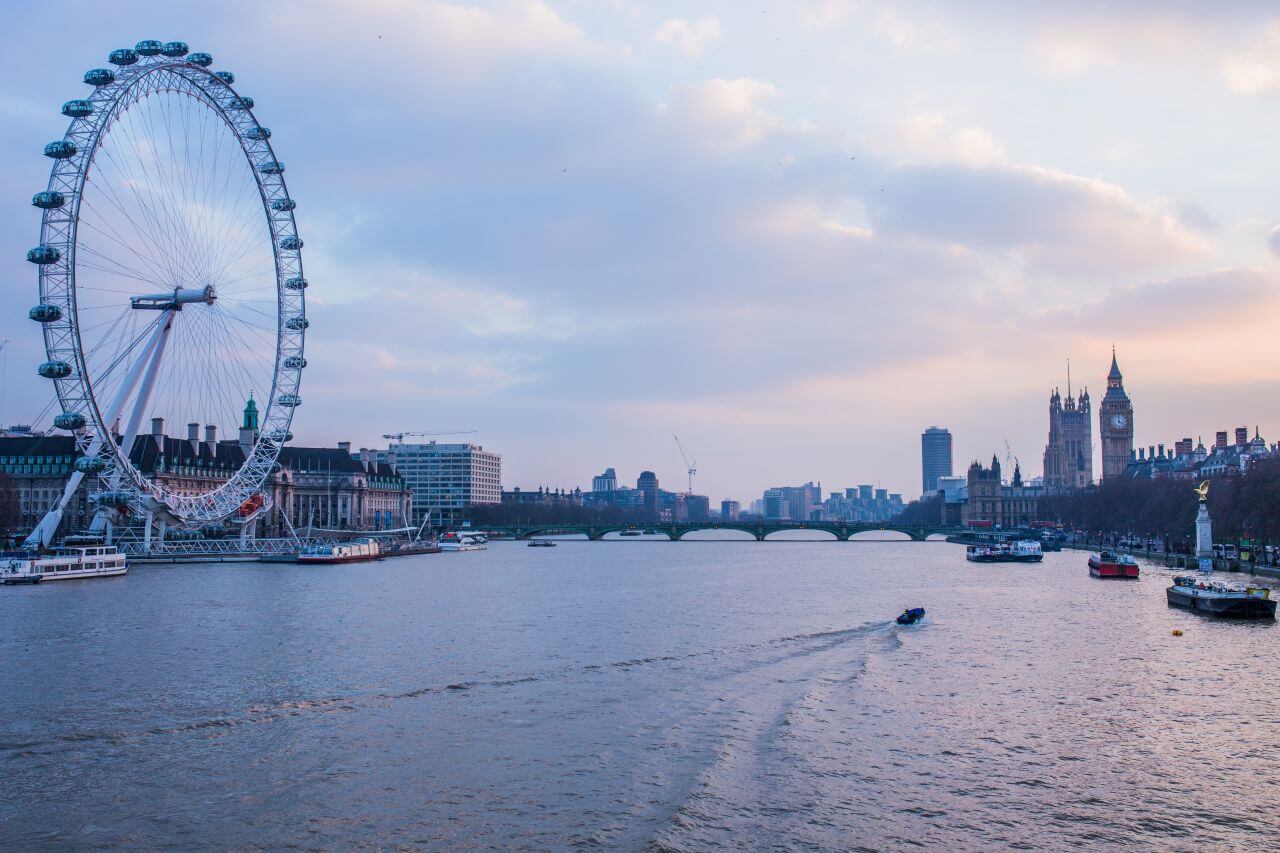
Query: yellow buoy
point(1177, 632)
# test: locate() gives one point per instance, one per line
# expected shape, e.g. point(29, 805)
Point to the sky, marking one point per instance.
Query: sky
point(796, 234)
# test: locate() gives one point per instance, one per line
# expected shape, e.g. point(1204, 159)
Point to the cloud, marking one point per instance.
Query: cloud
point(1256, 70)
point(959, 189)
point(689, 37)
point(1273, 241)
point(1176, 304)
point(932, 138)
point(727, 112)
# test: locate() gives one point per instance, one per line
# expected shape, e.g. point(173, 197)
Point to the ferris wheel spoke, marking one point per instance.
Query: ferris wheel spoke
point(140, 226)
point(220, 318)
point(154, 230)
point(105, 263)
point(146, 261)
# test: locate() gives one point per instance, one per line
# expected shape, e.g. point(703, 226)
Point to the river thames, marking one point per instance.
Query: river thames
point(635, 694)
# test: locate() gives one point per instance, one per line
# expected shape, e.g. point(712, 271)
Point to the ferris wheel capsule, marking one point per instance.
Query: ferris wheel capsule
point(45, 313)
point(60, 149)
point(174, 48)
point(77, 108)
point(70, 421)
point(90, 464)
point(123, 56)
point(296, 283)
point(225, 76)
point(43, 255)
point(290, 243)
point(149, 47)
point(100, 77)
point(48, 199)
point(54, 369)
point(240, 102)
point(204, 60)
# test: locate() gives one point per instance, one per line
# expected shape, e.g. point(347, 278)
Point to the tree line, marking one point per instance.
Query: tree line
point(1242, 507)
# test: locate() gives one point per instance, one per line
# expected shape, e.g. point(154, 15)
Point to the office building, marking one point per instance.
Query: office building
point(606, 482)
point(445, 479)
point(935, 457)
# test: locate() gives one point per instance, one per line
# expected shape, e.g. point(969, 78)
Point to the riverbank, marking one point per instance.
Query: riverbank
point(1183, 561)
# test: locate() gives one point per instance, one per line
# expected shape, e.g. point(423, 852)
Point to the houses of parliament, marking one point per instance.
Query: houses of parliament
point(1068, 457)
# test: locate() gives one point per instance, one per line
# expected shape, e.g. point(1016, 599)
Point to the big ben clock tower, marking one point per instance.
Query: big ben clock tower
point(1115, 417)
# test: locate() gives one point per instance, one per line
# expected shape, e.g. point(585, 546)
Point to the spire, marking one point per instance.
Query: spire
point(1068, 378)
point(1114, 376)
point(250, 414)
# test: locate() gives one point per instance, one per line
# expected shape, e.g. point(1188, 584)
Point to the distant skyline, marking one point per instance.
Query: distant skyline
point(796, 234)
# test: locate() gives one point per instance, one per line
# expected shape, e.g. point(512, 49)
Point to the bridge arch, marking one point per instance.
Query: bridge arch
point(802, 534)
point(719, 533)
point(882, 535)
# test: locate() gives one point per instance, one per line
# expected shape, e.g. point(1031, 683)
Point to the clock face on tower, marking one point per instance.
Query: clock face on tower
point(1118, 421)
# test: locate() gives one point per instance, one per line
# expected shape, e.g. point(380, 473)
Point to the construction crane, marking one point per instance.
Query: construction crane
point(692, 466)
point(399, 436)
point(1009, 457)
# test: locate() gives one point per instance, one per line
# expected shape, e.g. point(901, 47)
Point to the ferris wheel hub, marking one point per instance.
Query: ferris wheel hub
point(175, 300)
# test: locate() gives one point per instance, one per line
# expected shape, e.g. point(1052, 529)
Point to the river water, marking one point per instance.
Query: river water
point(634, 694)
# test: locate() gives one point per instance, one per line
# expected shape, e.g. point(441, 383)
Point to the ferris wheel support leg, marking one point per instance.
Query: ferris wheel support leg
point(42, 535)
point(160, 339)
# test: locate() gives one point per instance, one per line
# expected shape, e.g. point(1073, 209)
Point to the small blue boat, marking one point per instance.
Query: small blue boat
point(911, 616)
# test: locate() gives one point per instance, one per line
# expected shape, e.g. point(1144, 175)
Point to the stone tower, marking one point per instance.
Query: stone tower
point(1115, 424)
point(1068, 457)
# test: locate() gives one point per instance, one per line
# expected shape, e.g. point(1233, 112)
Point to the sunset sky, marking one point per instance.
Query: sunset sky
point(794, 233)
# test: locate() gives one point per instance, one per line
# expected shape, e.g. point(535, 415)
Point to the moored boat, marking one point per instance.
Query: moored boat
point(357, 551)
point(1112, 564)
point(463, 541)
point(1021, 551)
point(1214, 598)
point(68, 563)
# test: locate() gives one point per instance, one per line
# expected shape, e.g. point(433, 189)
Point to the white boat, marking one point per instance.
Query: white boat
point(463, 541)
point(78, 561)
point(357, 551)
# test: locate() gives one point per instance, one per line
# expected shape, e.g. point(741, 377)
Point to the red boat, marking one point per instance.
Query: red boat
point(1111, 564)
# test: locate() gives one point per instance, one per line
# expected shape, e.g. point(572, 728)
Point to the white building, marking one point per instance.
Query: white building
point(445, 479)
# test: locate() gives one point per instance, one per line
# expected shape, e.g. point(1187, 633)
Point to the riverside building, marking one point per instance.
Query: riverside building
point(444, 479)
point(1068, 457)
point(317, 487)
point(935, 457)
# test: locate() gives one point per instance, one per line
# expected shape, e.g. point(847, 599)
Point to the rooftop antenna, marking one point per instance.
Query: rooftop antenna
point(4, 374)
point(1068, 377)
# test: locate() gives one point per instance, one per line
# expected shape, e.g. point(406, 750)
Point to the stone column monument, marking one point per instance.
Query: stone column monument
point(1204, 529)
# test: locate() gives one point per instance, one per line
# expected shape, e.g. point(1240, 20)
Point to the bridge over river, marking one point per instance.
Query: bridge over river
point(841, 531)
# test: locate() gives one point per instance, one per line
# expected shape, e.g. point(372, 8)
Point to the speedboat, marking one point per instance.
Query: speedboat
point(911, 616)
point(1112, 564)
point(1219, 599)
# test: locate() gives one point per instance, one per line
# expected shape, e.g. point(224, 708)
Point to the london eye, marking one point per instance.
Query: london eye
point(171, 283)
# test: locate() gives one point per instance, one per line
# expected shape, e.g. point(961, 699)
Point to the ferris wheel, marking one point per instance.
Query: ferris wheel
point(171, 285)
